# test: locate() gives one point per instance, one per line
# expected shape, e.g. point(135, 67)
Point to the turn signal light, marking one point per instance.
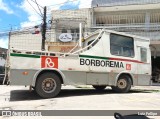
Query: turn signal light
point(25, 73)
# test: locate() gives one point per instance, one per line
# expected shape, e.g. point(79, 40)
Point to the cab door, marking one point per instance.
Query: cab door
point(144, 66)
point(97, 75)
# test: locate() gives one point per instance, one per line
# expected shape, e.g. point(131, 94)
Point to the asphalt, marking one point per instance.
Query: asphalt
point(81, 98)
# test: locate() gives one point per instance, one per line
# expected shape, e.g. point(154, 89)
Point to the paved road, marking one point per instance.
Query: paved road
point(84, 98)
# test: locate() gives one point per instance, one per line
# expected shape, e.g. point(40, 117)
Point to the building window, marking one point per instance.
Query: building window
point(143, 54)
point(121, 45)
point(64, 31)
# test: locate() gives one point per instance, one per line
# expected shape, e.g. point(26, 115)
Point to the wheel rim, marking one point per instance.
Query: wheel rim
point(49, 85)
point(122, 83)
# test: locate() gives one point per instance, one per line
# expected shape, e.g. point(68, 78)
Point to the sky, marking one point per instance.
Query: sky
point(17, 14)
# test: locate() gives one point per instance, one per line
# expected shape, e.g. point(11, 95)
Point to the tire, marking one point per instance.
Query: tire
point(123, 84)
point(48, 85)
point(99, 87)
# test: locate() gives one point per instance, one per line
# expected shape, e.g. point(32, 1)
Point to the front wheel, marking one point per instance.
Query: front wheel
point(123, 84)
point(99, 87)
point(48, 85)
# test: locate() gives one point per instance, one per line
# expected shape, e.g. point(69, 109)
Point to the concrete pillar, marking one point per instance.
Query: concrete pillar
point(147, 20)
point(93, 18)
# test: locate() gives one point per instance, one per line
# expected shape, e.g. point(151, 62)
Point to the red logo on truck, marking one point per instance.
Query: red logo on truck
point(49, 62)
point(128, 66)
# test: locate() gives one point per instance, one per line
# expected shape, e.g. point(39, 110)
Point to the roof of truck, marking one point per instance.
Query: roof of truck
point(119, 33)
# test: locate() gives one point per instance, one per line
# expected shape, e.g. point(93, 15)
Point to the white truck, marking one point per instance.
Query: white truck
point(106, 58)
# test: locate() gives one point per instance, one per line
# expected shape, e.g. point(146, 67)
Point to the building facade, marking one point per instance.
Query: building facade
point(138, 17)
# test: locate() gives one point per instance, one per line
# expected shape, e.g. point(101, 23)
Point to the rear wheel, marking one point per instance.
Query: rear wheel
point(123, 84)
point(99, 87)
point(48, 85)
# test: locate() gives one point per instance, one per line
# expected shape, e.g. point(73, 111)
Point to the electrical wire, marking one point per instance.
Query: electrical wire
point(25, 29)
point(51, 5)
point(7, 28)
point(38, 7)
point(62, 3)
point(49, 11)
point(28, 28)
point(36, 3)
point(34, 9)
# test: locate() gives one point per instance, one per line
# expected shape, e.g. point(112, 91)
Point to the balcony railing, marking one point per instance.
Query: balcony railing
point(131, 25)
point(151, 30)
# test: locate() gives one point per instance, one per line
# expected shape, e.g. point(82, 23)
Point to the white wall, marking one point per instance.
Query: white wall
point(27, 41)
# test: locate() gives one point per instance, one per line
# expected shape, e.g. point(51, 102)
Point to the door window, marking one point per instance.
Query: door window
point(143, 54)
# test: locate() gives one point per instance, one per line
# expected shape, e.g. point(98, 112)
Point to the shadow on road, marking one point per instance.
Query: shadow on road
point(23, 95)
point(84, 92)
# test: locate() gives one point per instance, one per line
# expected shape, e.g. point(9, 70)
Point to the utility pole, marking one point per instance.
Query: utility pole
point(44, 29)
point(7, 58)
point(9, 37)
